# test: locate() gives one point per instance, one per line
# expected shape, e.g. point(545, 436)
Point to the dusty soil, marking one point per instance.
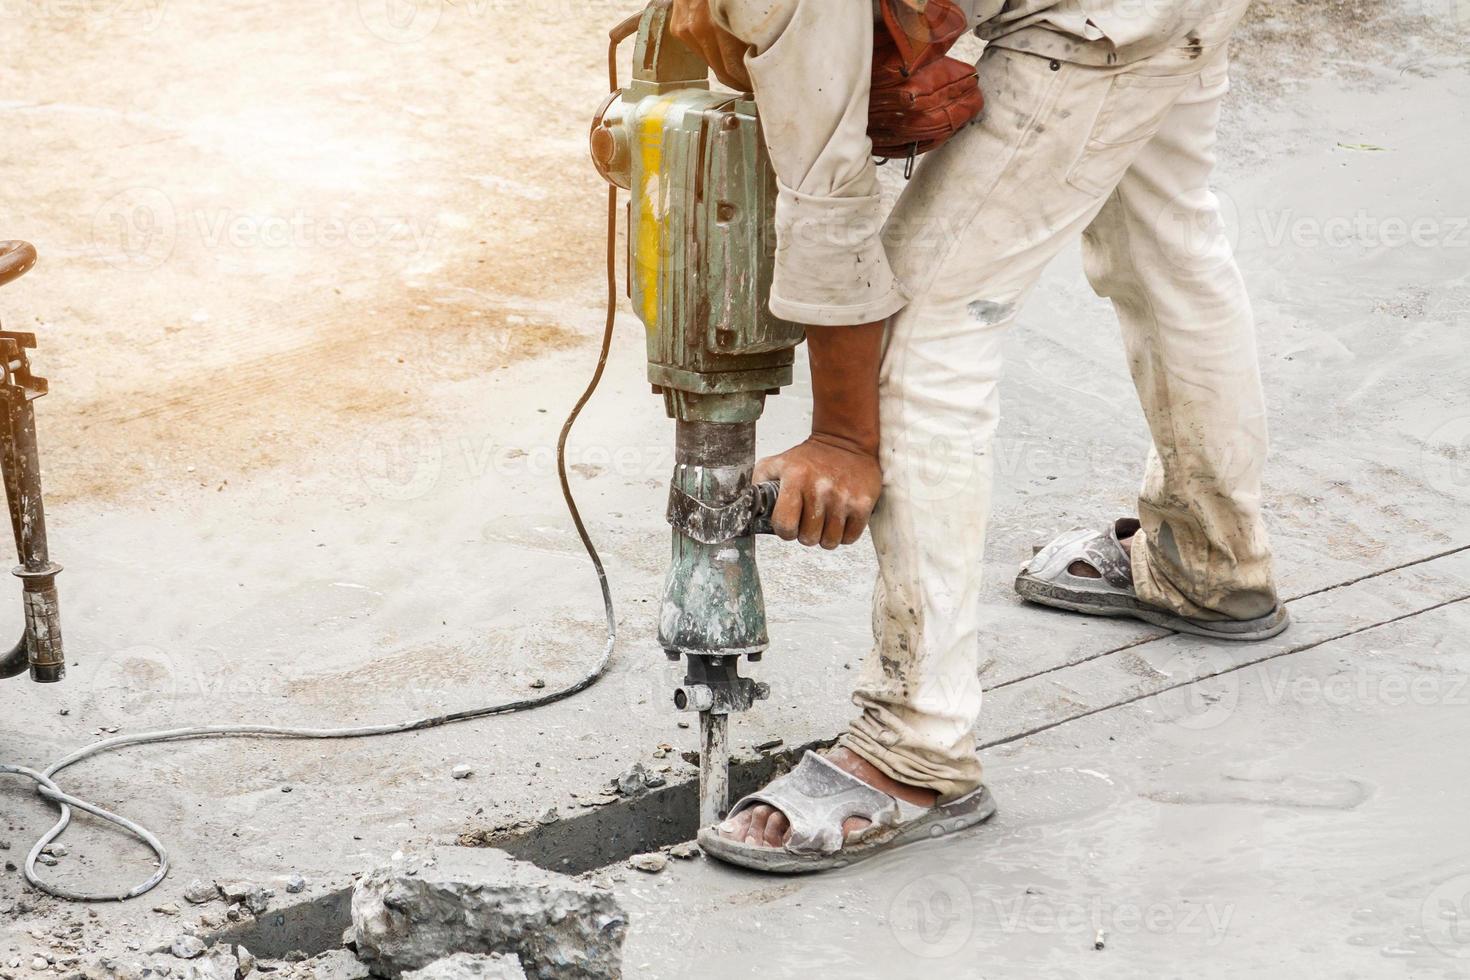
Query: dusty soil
point(260, 230)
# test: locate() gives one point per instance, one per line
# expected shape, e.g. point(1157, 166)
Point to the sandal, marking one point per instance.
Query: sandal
point(816, 798)
point(1047, 580)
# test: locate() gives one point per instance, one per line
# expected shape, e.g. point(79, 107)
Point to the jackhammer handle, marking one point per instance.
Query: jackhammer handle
point(16, 259)
point(762, 505)
point(43, 630)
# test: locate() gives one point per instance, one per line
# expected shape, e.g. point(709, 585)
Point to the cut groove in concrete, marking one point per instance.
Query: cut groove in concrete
point(313, 926)
point(610, 834)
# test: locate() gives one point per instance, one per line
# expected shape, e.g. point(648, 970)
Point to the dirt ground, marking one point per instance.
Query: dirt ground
point(316, 288)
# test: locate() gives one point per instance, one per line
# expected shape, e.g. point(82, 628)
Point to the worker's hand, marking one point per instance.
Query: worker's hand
point(694, 24)
point(828, 489)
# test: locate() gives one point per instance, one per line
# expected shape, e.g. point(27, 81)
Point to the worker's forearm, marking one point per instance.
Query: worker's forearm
point(844, 364)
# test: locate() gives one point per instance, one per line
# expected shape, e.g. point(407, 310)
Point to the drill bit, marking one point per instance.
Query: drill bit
point(714, 767)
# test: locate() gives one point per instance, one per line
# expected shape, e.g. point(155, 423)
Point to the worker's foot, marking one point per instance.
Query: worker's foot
point(831, 811)
point(765, 826)
point(1091, 572)
point(1124, 530)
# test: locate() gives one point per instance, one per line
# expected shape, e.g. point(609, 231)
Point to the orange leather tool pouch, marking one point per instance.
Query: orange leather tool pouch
point(920, 96)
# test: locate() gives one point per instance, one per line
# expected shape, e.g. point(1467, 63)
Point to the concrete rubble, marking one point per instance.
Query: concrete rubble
point(471, 966)
point(426, 906)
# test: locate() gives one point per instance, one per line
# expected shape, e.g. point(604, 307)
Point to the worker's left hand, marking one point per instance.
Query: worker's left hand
point(693, 23)
point(828, 489)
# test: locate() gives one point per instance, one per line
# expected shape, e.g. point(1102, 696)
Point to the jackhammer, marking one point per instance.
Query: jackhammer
point(39, 648)
point(700, 254)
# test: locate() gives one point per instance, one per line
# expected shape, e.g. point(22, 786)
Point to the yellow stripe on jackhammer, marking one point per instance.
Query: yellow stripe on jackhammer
point(651, 225)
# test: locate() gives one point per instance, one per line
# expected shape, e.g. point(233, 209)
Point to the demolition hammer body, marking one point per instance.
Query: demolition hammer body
point(39, 649)
point(701, 250)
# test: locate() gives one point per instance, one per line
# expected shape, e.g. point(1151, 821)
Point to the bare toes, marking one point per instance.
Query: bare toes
point(756, 832)
point(777, 828)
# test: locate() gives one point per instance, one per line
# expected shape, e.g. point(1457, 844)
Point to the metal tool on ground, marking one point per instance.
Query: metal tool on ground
point(701, 250)
point(39, 649)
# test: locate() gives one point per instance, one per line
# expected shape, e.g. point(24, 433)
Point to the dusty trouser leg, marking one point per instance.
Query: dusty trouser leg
point(969, 237)
point(1159, 251)
point(918, 691)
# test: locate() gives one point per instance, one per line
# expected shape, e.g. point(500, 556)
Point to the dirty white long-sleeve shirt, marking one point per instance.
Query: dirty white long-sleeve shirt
point(810, 64)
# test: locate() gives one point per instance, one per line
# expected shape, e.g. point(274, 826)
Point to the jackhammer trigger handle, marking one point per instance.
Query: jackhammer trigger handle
point(16, 259)
point(762, 505)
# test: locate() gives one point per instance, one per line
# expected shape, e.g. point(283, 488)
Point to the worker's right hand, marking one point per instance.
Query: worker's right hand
point(693, 23)
point(828, 490)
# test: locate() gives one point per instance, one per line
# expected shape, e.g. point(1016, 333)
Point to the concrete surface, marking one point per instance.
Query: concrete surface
point(304, 475)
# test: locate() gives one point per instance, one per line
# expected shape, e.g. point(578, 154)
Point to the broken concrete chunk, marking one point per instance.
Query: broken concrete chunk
point(200, 892)
point(219, 963)
point(599, 799)
point(636, 779)
point(256, 898)
point(686, 851)
point(651, 863)
point(334, 964)
point(462, 771)
point(471, 966)
point(187, 947)
point(295, 885)
point(433, 904)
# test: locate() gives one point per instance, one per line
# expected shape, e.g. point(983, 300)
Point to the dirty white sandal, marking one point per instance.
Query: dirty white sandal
point(816, 798)
point(1047, 580)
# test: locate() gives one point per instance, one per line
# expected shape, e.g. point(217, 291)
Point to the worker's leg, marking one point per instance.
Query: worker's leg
point(1159, 251)
point(969, 238)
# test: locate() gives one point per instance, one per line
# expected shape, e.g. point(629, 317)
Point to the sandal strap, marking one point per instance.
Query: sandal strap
point(1099, 549)
point(817, 797)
